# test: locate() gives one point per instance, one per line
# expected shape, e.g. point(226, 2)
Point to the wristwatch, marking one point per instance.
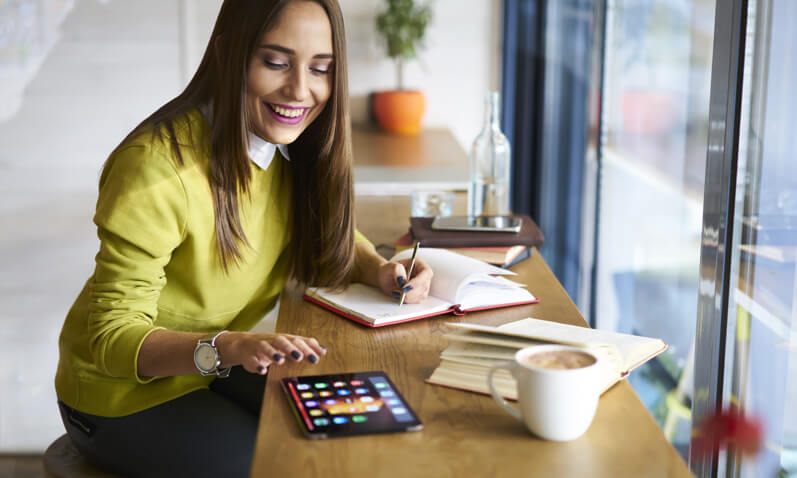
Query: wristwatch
point(207, 358)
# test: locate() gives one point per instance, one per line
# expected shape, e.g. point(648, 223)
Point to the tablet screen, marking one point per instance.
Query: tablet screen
point(348, 404)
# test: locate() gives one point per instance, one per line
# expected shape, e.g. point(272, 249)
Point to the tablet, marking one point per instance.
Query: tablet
point(329, 406)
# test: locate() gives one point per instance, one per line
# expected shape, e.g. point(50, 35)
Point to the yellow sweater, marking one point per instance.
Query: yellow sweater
point(157, 268)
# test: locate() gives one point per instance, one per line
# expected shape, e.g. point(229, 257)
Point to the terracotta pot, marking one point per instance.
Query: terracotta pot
point(399, 111)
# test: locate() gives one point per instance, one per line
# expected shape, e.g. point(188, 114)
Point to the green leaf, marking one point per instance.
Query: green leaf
point(403, 26)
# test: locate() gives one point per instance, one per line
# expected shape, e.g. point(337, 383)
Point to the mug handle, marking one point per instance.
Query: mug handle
point(510, 366)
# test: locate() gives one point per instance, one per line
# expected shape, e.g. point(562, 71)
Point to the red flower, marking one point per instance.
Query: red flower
point(727, 428)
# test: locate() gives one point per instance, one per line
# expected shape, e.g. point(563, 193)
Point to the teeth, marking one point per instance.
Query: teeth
point(289, 113)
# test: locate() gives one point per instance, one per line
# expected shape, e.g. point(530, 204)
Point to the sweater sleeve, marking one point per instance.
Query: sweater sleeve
point(140, 218)
point(359, 237)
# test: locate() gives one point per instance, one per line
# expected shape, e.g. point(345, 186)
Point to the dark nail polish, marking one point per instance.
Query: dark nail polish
point(260, 368)
point(296, 355)
point(277, 357)
point(395, 295)
point(401, 281)
point(312, 358)
point(407, 289)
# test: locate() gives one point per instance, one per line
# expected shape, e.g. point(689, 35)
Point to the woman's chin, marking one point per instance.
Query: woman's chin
point(279, 135)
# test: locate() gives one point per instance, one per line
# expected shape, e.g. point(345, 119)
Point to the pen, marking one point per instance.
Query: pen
point(409, 273)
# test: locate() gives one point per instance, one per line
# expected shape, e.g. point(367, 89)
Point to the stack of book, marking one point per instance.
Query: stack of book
point(475, 348)
point(501, 249)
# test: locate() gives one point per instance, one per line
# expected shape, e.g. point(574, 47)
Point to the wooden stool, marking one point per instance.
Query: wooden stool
point(62, 460)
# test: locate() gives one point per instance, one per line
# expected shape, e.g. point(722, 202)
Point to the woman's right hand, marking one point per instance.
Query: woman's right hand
point(256, 351)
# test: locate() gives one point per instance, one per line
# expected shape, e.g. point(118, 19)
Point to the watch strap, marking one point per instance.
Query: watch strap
point(211, 338)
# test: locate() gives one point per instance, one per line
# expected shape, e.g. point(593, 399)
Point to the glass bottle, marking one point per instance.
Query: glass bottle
point(490, 164)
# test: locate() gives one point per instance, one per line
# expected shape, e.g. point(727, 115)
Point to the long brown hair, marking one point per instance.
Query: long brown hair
point(320, 159)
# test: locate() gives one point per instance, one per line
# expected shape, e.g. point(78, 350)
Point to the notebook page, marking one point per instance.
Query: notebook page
point(451, 270)
point(475, 298)
point(372, 305)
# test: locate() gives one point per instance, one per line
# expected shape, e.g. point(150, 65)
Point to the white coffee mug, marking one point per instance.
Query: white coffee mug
point(555, 404)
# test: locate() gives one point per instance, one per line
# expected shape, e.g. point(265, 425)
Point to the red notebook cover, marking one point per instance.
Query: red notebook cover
point(453, 310)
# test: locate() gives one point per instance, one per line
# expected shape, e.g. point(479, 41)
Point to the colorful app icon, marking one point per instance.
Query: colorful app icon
point(360, 391)
point(303, 386)
point(310, 404)
point(359, 418)
point(372, 408)
point(343, 392)
point(366, 399)
point(393, 401)
point(399, 410)
point(316, 412)
point(307, 394)
point(348, 400)
point(325, 393)
point(330, 401)
point(340, 420)
point(380, 385)
point(339, 384)
point(356, 383)
point(321, 385)
point(387, 393)
point(321, 422)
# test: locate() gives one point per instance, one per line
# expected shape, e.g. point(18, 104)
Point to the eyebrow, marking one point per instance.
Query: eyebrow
point(288, 51)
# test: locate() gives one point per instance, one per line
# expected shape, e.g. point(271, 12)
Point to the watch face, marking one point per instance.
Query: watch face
point(205, 357)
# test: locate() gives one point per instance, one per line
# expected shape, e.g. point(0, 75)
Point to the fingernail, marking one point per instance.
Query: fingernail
point(323, 348)
point(395, 295)
point(407, 289)
point(296, 355)
point(277, 357)
point(260, 368)
point(401, 281)
point(312, 358)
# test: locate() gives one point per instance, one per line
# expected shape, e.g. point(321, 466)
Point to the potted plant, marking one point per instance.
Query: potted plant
point(402, 26)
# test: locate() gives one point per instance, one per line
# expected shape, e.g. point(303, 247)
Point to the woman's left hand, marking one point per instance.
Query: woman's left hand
point(393, 279)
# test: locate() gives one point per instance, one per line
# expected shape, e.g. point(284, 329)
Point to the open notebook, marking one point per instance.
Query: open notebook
point(460, 284)
point(475, 348)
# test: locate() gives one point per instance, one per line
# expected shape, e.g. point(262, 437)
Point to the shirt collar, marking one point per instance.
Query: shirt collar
point(261, 152)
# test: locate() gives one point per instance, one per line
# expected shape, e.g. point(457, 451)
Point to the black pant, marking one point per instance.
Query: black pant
point(209, 432)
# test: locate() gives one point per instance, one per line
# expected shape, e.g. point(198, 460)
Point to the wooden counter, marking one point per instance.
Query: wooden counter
point(465, 434)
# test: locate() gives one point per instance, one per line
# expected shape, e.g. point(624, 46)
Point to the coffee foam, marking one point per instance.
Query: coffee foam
point(558, 359)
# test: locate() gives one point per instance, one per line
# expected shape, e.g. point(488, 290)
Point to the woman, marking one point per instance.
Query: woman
point(196, 243)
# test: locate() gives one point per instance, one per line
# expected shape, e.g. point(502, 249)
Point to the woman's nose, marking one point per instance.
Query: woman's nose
point(297, 89)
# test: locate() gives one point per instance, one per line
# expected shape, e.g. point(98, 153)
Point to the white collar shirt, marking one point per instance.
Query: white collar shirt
point(261, 152)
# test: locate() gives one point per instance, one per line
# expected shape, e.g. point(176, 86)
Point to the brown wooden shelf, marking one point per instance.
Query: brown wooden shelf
point(392, 164)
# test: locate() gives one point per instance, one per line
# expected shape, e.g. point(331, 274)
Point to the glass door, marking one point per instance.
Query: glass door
point(652, 147)
point(757, 331)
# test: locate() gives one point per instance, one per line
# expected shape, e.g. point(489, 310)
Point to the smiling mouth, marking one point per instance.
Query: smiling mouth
point(285, 114)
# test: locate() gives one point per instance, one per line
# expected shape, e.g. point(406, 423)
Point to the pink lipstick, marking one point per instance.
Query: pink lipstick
point(281, 112)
